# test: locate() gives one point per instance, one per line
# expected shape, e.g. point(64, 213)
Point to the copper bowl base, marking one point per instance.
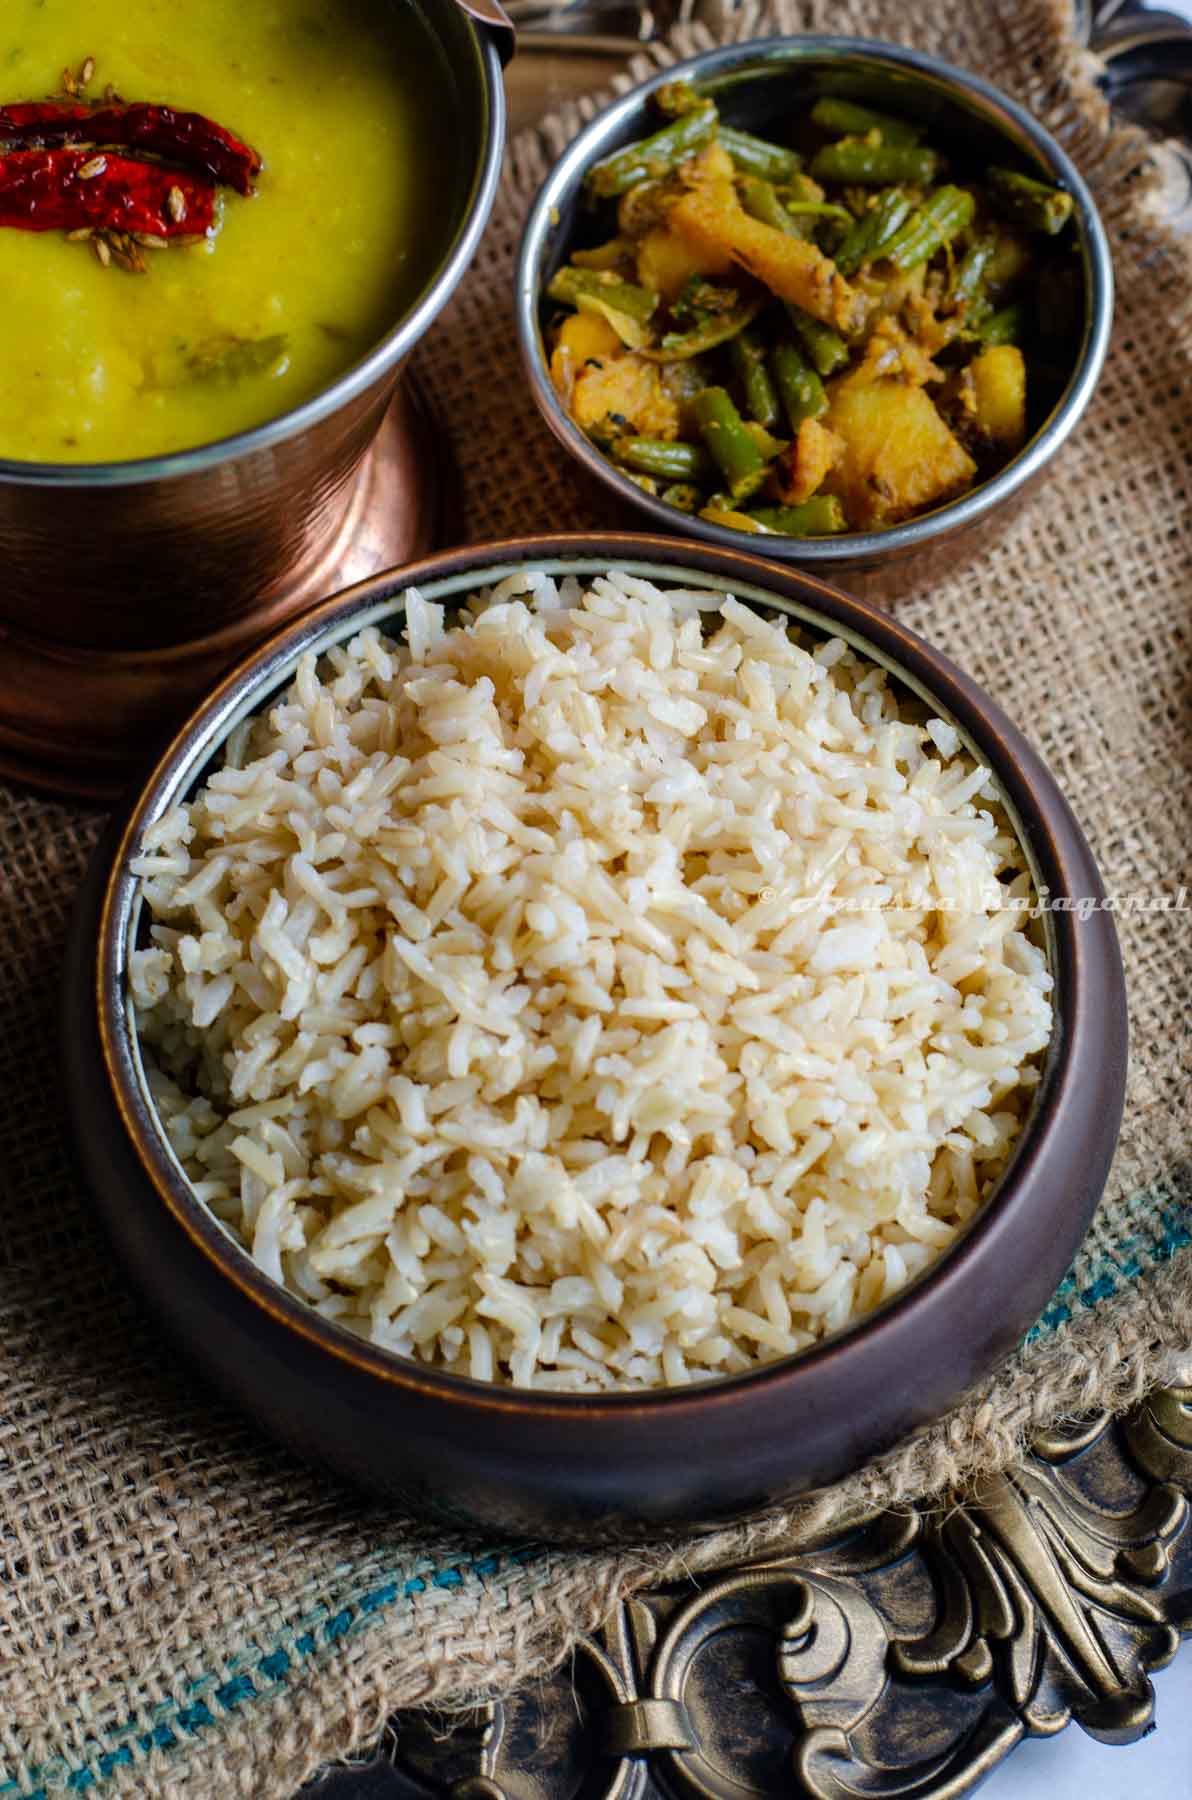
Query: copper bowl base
point(82, 723)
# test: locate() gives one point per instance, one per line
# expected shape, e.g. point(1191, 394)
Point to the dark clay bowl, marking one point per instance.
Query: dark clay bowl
point(585, 1466)
point(758, 86)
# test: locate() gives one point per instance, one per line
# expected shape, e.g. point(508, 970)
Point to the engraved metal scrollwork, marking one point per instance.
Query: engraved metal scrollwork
point(899, 1662)
point(1159, 1436)
point(1030, 1573)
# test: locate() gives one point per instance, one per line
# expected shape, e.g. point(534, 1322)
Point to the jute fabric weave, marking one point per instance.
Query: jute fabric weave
point(183, 1610)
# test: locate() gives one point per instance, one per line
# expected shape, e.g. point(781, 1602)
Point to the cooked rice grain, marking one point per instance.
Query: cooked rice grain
point(591, 994)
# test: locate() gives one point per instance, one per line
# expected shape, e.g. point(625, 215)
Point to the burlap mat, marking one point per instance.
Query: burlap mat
point(183, 1611)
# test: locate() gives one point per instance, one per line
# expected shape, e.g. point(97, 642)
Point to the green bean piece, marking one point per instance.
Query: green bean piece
point(942, 215)
point(723, 431)
point(573, 286)
point(799, 387)
point(1006, 326)
point(675, 98)
point(754, 156)
point(891, 219)
point(683, 496)
point(875, 165)
point(826, 349)
point(748, 357)
point(654, 156)
point(708, 334)
point(801, 187)
point(761, 200)
point(818, 209)
point(769, 445)
point(821, 516)
point(969, 278)
point(853, 248)
point(670, 461)
point(867, 236)
point(844, 118)
point(1033, 204)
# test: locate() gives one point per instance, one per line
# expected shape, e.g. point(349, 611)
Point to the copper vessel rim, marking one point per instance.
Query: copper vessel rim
point(475, 206)
point(1010, 119)
point(908, 657)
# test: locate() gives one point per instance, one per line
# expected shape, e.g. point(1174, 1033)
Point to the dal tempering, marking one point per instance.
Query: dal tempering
point(348, 104)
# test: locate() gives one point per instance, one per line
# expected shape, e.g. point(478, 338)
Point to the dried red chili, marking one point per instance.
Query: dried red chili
point(46, 190)
point(185, 138)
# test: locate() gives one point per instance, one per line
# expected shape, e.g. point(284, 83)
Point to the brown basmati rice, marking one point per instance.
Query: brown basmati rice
point(578, 998)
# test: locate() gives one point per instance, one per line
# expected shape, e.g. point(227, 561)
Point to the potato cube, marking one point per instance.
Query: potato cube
point(805, 466)
point(899, 456)
point(630, 392)
point(582, 337)
point(999, 383)
point(711, 220)
point(665, 263)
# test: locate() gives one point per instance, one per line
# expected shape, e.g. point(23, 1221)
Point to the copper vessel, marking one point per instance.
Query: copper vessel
point(129, 587)
point(589, 1467)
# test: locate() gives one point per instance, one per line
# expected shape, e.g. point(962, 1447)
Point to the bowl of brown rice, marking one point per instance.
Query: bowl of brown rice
point(581, 1030)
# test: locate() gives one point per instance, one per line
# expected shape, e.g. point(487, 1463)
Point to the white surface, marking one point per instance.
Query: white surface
point(1074, 1767)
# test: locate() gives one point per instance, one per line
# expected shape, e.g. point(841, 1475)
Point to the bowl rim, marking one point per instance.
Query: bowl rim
point(1011, 119)
point(1036, 804)
point(384, 357)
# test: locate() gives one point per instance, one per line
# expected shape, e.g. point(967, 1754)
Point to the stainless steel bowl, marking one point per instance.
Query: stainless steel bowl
point(129, 584)
point(754, 85)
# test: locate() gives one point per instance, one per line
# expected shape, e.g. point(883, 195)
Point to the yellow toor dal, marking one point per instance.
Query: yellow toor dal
point(347, 102)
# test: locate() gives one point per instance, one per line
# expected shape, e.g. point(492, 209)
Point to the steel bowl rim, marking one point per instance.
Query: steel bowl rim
point(385, 356)
point(899, 647)
point(848, 547)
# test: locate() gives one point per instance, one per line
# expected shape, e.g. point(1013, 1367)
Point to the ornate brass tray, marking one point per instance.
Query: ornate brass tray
point(907, 1657)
